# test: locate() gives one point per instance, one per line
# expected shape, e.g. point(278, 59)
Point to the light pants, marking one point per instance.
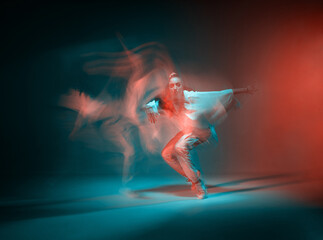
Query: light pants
point(177, 152)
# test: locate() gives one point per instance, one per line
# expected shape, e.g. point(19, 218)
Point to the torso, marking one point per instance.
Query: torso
point(187, 117)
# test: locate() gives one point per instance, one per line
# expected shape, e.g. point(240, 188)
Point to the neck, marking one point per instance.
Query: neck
point(178, 103)
point(178, 98)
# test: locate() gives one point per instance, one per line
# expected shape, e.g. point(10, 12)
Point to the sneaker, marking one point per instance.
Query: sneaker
point(200, 190)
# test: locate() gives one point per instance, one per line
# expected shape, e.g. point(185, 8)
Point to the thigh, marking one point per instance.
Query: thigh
point(193, 139)
point(186, 142)
point(200, 136)
point(169, 148)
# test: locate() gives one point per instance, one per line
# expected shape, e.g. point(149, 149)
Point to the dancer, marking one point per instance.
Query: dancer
point(195, 113)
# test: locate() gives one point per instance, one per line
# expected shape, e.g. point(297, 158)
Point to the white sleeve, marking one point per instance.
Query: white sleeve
point(153, 105)
point(210, 105)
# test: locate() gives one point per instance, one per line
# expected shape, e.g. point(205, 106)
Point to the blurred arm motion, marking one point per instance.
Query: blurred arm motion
point(152, 110)
point(250, 90)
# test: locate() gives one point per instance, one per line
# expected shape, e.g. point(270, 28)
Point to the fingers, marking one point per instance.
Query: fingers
point(152, 118)
point(252, 89)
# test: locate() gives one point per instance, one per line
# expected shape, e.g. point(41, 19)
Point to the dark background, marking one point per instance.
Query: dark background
point(240, 42)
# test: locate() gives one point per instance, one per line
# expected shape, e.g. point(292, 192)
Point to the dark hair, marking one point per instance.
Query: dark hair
point(172, 75)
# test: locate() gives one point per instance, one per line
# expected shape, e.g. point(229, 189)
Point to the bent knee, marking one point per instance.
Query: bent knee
point(181, 149)
point(166, 154)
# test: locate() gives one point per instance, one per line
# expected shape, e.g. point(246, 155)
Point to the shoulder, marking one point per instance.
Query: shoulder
point(189, 92)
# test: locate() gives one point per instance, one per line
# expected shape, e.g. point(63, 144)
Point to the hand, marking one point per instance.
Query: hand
point(152, 116)
point(252, 89)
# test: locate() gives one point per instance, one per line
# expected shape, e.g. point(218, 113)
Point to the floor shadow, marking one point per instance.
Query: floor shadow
point(215, 190)
point(29, 210)
point(185, 190)
point(179, 190)
point(236, 182)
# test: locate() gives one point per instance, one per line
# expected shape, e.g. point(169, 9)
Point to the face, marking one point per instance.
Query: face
point(175, 86)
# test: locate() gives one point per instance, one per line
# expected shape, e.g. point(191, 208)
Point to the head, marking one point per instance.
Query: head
point(175, 86)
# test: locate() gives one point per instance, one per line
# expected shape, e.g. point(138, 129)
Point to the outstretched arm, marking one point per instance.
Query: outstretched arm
point(250, 90)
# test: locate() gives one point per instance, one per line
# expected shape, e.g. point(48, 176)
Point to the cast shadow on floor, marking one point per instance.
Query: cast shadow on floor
point(182, 190)
point(63, 207)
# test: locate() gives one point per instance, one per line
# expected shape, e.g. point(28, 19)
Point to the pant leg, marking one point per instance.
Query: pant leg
point(185, 159)
point(182, 148)
point(170, 156)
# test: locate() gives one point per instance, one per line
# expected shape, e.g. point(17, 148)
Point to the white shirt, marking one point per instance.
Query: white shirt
point(202, 109)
